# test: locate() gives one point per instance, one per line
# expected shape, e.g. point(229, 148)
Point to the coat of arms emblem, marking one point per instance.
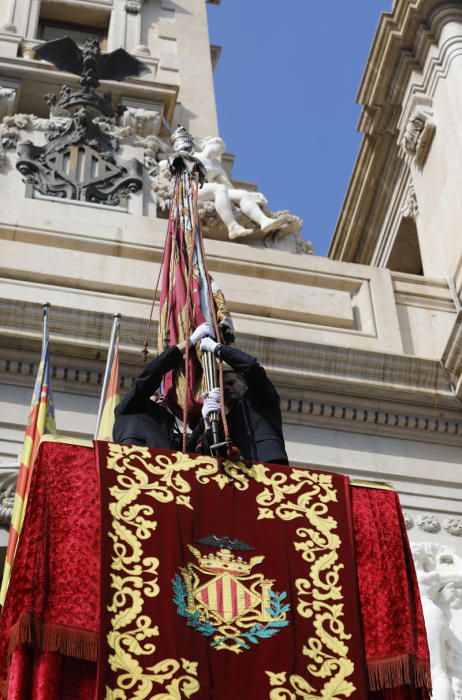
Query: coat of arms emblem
point(223, 598)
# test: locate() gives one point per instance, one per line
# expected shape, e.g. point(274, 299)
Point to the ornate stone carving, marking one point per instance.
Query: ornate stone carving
point(227, 211)
point(428, 523)
point(79, 159)
point(133, 6)
point(141, 122)
point(408, 520)
point(3, 159)
point(410, 207)
point(78, 162)
point(453, 526)
point(10, 129)
point(7, 101)
point(439, 572)
point(418, 134)
point(7, 491)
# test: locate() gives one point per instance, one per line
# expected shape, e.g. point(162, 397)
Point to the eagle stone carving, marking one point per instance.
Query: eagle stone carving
point(89, 62)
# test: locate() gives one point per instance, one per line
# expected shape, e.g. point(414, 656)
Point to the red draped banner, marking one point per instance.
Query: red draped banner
point(235, 578)
point(50, 622)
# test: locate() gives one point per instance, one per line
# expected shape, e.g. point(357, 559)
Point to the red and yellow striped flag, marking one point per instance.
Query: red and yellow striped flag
point(41, 420)
point(111, 400)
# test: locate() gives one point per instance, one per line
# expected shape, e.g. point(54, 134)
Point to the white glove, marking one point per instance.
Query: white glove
point(211, 403)
point(201, 331)
point(208, 345)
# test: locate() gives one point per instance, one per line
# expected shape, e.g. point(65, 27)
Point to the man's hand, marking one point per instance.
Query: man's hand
point(208, 345)
point(212, 402)
point(201, 332)
point(227, 331)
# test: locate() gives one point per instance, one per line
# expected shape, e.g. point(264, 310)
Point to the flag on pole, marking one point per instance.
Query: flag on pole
point(183, 309)
point(110, 394)
point(41, 420)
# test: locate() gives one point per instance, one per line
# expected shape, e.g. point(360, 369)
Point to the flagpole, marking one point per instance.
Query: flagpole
point(107, 371)
point(45, 308)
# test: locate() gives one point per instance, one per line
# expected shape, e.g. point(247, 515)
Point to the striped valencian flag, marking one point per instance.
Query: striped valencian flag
point(111, 400)
point(41, 420)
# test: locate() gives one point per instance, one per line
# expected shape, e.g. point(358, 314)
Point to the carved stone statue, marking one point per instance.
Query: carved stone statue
point(225, 210)
point(439, 572)
point(220, 190)
point(418, 134)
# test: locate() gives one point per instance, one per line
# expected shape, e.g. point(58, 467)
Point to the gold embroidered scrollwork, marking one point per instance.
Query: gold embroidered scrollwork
point(298, 493)
point(134, 576)
point(287, 495)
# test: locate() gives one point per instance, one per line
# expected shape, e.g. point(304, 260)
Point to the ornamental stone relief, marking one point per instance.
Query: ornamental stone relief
point(79, 160)
point(428, 523)
point(226, 210)
point(453, 526)
point(7, 490)
point(408, 521)
point(410, 208)
point(418, 134)
point(439, 573)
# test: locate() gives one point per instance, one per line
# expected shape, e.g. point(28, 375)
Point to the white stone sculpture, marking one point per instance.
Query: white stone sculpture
point(140, 121)
point(439, 572)
point(220, 190)
point(410, 208)
point(418, 134)
point(7, 100)
point(428, 523)
point(8, 480)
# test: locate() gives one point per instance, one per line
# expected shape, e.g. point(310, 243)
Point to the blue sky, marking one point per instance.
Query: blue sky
point(286, 87)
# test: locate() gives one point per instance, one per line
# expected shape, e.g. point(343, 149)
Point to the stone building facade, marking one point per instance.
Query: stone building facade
point(364, 345)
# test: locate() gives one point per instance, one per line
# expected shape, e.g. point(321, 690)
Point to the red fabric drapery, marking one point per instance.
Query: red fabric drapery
point(50, 676)
point(53, 602)
point(393, 623)
point(295, 525)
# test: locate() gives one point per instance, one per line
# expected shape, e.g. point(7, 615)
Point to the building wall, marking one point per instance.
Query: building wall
point(367, 360)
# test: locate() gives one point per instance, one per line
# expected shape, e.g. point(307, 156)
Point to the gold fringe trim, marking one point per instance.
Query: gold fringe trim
point(366, 484)
point(66, 440)
point(45, 636)
point(397, 671)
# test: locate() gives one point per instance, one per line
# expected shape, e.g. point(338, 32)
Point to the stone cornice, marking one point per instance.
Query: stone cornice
point(452, 356)
point(399, 52)
point(405, 32)
point(406, 424)
point(79, 340)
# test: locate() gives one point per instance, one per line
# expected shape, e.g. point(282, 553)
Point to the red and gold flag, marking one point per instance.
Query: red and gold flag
point(187, 292)
point(111, 400)
point(41, 420)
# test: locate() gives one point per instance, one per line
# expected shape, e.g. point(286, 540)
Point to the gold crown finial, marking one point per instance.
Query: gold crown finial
point(181, 140)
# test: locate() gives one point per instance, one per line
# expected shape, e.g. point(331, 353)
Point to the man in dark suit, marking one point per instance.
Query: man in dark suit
point(252, 403)
point(142, 417)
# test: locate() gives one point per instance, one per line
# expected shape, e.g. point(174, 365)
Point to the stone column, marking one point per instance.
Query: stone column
point(24, 15)
point(125, 27)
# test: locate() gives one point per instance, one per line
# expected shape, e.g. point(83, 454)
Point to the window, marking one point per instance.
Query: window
point(60, 19)
point(405, 254)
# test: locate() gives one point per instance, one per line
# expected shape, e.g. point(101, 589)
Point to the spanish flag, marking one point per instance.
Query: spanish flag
point(41, 420)
point(110, 395)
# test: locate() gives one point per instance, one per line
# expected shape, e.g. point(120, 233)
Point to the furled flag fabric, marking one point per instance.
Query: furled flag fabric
point(111, 400)
point(182, 311)
point(41, 420)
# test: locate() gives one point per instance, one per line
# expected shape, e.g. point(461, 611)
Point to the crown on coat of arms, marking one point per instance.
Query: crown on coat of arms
point(224, 560)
